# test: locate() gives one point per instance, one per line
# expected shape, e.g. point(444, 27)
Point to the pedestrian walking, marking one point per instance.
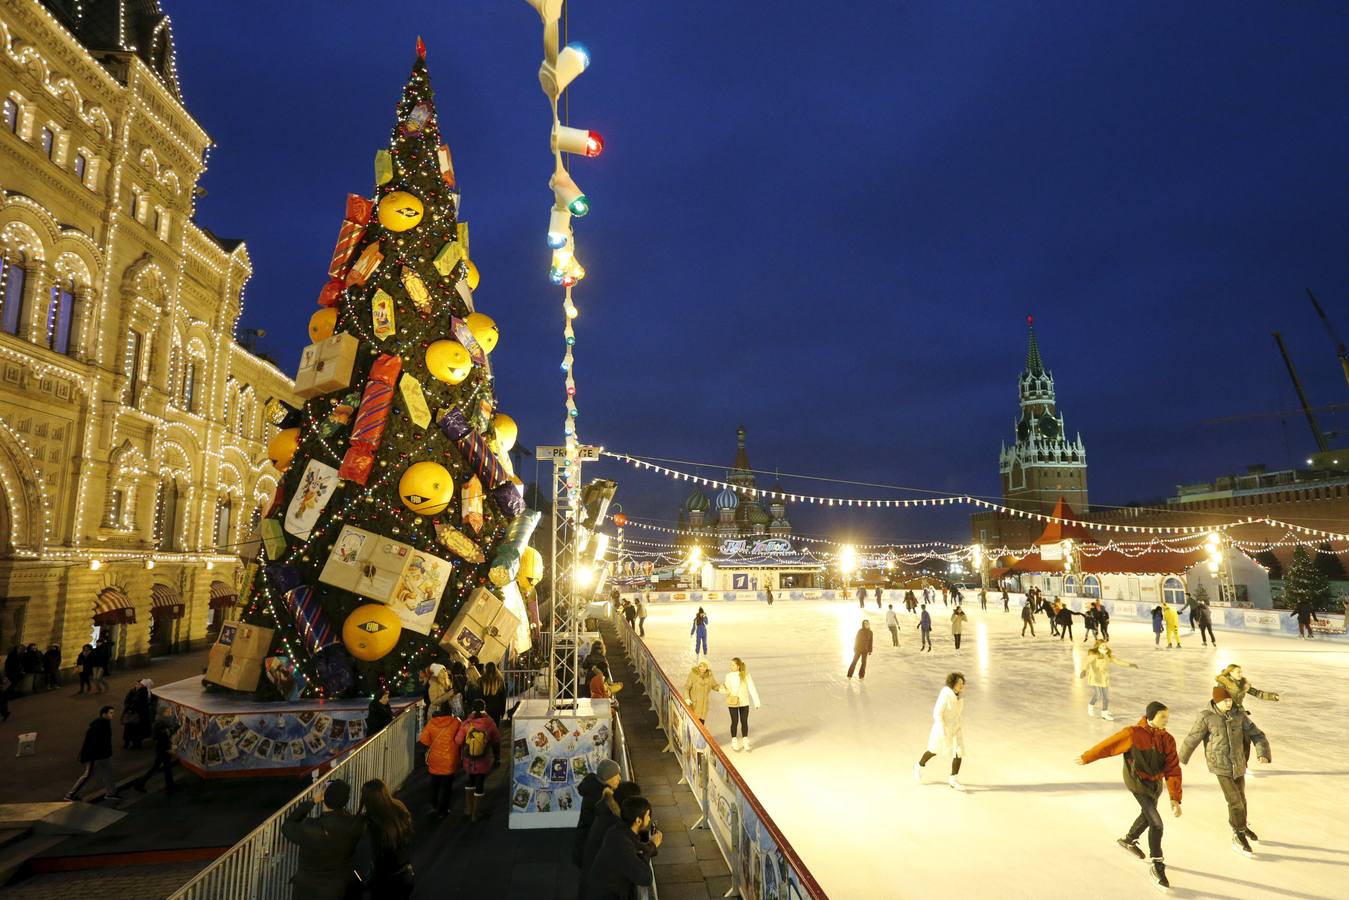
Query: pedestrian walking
point(51, 661)
point(699, 631)
point(102, 658)
point(326, 841)
point(892, 623)
point(1028, 617)
point(1305, 615)
point(161, 732)
point(136, 716)
point(96, 755)
point(1226, 732)
point(623, 862)
point(493, 689)
point(593, 787)
point(958, 618)
point(1204, 616)
point(379, 714)
point(84, 663)
point(740, 691)
point(35, 669)
point(1158, 621)
point(641, 615)
point(1172, 621)
point(1149, 759)
point(861, 649)
point(1096, 670)
point(389, 825)
point(440, 737)
point(698, 686)
point(924, 631)
point(947, 735)
point(480, 744)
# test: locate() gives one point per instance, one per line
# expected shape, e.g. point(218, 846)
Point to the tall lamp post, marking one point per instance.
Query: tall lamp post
point(847, 563)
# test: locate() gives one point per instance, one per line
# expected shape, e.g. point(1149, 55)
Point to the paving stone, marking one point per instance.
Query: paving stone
point(676, 872)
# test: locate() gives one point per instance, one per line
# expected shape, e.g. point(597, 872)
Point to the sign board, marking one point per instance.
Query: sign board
point(765, 547)
point(584, 453)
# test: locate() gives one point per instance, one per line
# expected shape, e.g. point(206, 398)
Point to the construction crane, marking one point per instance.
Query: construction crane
point(1340, 351)
point(1324, 458)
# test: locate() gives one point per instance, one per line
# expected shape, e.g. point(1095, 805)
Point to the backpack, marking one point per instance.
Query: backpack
point(475, 744)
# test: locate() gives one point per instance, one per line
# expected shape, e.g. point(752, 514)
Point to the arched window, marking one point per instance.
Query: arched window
point(60, 314)
point(1173, 590)
point(15, 279)
point(223, 508)
point(131, 367)
point(1070, 586)
point(190, 386)
point(48, 139)
point(1091, 587)
point(81, 166)
point(11, 115)
point(166, 515)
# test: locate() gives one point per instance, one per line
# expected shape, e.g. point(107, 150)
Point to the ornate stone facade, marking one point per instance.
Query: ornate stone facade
point(735, 512)
point(132, 432)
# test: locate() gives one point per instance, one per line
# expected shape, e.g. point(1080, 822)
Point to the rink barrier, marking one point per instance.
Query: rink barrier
point(1225, 618)
point(260, 866)
point(761, 859)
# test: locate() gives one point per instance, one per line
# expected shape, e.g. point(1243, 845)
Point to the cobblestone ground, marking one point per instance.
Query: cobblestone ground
point(129, 883)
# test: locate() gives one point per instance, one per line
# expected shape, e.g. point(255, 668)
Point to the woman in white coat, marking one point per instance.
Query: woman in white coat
point(947, 734)
point(740, 691)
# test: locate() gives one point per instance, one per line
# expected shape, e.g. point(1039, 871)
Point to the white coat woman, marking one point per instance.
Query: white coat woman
point(739, 687)
point(947, 735)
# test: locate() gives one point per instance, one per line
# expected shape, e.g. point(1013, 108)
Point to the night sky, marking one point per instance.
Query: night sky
point(829, 221)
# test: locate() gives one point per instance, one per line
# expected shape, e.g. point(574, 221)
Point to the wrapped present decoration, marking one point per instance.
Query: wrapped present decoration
point(368, 429)
point(382, 315)
point(464, 335)
point(484, 628)
point(320, 639)
point(410, 581)
point(509, 499)
point(331, 294)
point(474, 447)
point(446, 164)
point(340, 415)
point(416, 290)
point(414, 400)
point(448, 257)
point(365, 265)
point(273, 538)
point(326, 366)
point(353, 228)
point(470, 504)
point(383, 167)
point(458, 543)
point(506, 563)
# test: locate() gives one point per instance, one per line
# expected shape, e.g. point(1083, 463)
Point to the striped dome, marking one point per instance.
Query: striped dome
point(697, 501)
point(727, 499)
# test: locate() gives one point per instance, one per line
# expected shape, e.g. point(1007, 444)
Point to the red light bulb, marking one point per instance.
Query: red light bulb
point(594, 144)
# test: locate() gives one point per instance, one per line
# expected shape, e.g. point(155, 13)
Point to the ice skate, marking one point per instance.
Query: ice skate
point(1131, 846)
point(955, 784)
point(735, 743)
point(745, 745)
point(1105, 714)
point(1252, 836)
point(1241, 845)
point(917, 774)
point(1158, 872)
point(1091, 710)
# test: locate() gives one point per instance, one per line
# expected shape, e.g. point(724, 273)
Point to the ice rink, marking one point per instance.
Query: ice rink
point(832, 759)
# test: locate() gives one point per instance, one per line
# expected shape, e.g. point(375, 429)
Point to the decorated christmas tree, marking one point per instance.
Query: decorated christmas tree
point(1304, 581)
point(397, 532)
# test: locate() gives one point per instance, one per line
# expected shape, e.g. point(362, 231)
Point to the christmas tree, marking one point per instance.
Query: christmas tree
point(397, 513)
point(1304, 581)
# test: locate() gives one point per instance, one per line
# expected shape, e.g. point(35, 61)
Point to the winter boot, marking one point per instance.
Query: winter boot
point(1091, 710)
point(954, 782)
point(1131, 846)
point(735, 743)
point(746, 744)
point(1252, 836)
point(1157, 869)
point(470, 806)
point(1105, 714)
point(1241, 845)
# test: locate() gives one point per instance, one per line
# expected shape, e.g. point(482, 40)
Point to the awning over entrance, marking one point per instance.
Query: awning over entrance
point(222, 595)
point(166, 602)
point(114, 607)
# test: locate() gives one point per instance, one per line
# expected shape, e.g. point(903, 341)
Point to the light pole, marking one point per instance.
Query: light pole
point(847, 563)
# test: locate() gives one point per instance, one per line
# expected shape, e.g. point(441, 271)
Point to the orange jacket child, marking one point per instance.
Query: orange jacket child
point(442, 755)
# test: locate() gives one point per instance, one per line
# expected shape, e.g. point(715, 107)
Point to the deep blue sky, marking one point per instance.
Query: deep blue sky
point(828, 221)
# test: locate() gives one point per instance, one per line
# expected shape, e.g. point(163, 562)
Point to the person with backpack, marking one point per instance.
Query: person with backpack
point(440, 737)
point(861, 648)
point(925, 631)
point(739, 687)
point(481, 753)
point(593, 787)
point(96, 756)
point(892, 623)
point(327, 843)
point(699, 631)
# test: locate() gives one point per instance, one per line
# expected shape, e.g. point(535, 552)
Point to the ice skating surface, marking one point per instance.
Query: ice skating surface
point(832, 759)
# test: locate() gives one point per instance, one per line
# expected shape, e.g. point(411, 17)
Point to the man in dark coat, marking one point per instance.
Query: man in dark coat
point(591, 788)
point(607, 816)
point(326, 844)
point(162, 734)
point(624, 861)
point(380, 714)
point(96, 755)
point(861, 649)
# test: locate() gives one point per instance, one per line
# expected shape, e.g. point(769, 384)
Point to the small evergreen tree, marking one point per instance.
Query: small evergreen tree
point(1305, 582)
point(1200, 594)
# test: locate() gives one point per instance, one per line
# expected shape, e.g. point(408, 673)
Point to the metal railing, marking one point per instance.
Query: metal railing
point(730, 810)
point(260, 866)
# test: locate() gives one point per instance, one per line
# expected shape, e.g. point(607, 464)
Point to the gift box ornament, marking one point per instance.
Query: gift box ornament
point(458, 543)
point(317, 486)
point(447, 258)
point(484, 628)
point(350, 234)
point(410, 581)
point(273, 538)
point(368, 429)
point(382, 315)
point(506, 563)
point(235, 660)
point(326, 366)
point(383, 167)
point(331, 293)
point(417, 120)
point(414, 400)
point(365, 265)
point(474, 447)
point(416, 290)
point(446, 164)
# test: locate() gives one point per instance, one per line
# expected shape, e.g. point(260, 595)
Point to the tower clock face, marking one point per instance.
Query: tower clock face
point(1049, 426)
point(1023, 429)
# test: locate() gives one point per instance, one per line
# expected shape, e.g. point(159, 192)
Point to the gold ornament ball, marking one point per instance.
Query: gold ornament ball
point(400, 211)
point(281, 448)
point(484, 330)
point(531, 569)
point(321, 324)
point(371, 631)
point(506, 430)
point(471, 274)
point(448, 361)
point(426, 488)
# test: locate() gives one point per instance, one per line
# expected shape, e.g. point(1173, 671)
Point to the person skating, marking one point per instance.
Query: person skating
point(1006, 601)
point(947, 735)
point(1190, 605)
point(641, 612)
point(740, 691)
point(1305, 615)
point(1149, 760)
point(1204, 616)
point(699, 632)
point(326, 844)
point(861, 648)
point(892, 623)
point(878, 598)
point(698, 686)
point(1090, 629)
point(769, 592)
point(925, 631)
point(96, 755)
point(1103, 621)
point(161, 732)
point(1158, 621)
point(477, 735)
point(1050, 610)
point(1064, 619)
point(983, 599)
point(1097, 672)
point(1234, 680)
point(1172, 621)
point(440, 737)
point(861, 598)
point(1028, 617)
point(1226, 732)
point(958, 618)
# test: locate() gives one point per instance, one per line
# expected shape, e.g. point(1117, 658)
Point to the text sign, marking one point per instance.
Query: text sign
point(768, 547)
point(583, 453)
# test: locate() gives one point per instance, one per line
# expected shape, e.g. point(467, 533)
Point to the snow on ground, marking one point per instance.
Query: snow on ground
point(832, 759)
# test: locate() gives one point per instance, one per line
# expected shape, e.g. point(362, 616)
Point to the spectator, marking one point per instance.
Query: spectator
point(34, 668)
point(438, 685)
point(892, 623)
point(861, 648)
point(136, 715)
point(96, 754)
point(85, 663)
point(380, 713)
point(389, 825)
point(592, 787)
point(102, 658)
point(493, 688)
point(476, 736)
point(624, 861)
point(599, 690)
point(608, 813)
point(14, 669)
point(698, 687)
point(162, 733)
point(439, 736)
point(326, 844)
point(52, 666)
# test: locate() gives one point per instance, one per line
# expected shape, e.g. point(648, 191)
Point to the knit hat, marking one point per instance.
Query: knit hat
point(1220, 693)
point(1154, 707)
point(606, 770)
point(437, 668)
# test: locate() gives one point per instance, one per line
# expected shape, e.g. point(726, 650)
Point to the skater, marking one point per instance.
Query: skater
point(861, 598)
point(925, 631)
point(770, 597)
point(943, 596)
point(1234, 680)
point(958, 618)
point(1064, 618)
point(739, 688)
point(1052, 610)
point(1006, 601)
point(698, 686)
point(1305, 616)
point(1172, 620)
point(1192, 606)
point(1090, 630)
point(1157, 621)
point(1097, 672)
point(700, 630)
point(1204, 617)
point(983, 599)
point(1103, 621)
point(947, 735)
point(161, 733)
point(910, 602)
point(641, 613)
point(96, 754)
point(1028, 617)
point(892, 623)
point(878, 598)
point(861, 649)
point(477, 735)
point(1226, 731)
point(1149, 759)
